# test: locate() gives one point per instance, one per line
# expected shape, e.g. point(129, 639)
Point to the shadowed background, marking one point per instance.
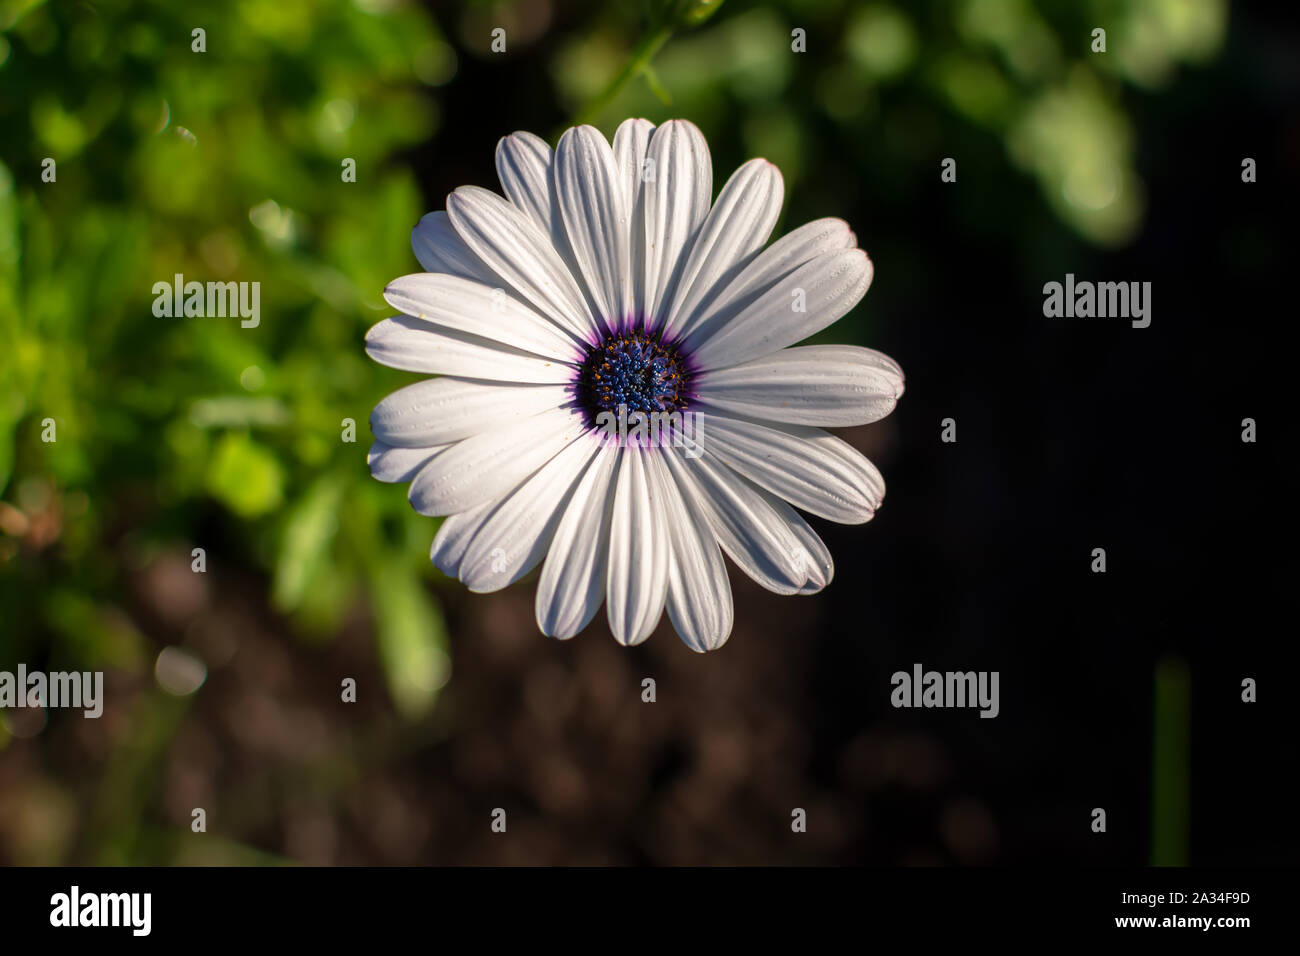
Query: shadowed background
point(1120, 691)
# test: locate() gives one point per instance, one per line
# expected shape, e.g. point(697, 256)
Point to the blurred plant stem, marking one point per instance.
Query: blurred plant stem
point(637, 63)
point(1170, 746)
point(126, 791)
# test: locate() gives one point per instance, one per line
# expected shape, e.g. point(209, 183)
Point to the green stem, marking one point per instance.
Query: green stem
point(1170, 772)
point(638, 61)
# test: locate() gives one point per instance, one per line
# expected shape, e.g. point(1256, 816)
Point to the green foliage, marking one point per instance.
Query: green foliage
point(412, 639)
point(1012, 72)
point(222, 165)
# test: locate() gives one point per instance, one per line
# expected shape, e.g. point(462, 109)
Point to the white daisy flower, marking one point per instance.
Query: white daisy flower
point(607, 286)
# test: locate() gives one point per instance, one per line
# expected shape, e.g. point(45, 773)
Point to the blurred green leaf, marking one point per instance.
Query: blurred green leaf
point(245, 476)
point(656, 86)
point(412, 638)
point(308, 534)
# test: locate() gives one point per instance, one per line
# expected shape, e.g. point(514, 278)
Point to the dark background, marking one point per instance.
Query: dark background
point(1072, 434)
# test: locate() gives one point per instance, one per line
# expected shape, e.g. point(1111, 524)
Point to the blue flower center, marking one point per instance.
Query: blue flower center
point(635, 370)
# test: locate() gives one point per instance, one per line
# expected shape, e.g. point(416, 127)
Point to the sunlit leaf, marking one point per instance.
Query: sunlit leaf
point(245, 476)
point(412, 639)
point(308, 535)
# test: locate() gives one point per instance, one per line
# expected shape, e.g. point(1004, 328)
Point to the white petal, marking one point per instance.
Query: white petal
point(805, 301)
point(636, 585)
point(631, 140)
point(515, 538)
point(517, 249)
point(454, 537)
point(441, 249)
point(736, 228)
point(439, 411)
point(491, 312)
point(414, 345)
point(572, 583)
point(810, 468)
point(676, 205)
point(744, 521)
point(830, 385)
point(812, 552)
point(396, 465)
point(699, 594)
point(769, 267)
point(489, 464)
point(524, 166)
point(590, 197)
